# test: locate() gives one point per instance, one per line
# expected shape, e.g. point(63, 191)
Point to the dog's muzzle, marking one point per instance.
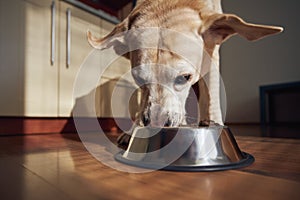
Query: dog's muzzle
point(157, 116)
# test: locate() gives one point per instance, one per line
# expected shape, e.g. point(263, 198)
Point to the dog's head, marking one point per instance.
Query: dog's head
point(167, 42)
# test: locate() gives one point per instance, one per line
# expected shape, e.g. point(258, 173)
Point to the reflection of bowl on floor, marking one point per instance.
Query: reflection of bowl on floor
point(184, 149)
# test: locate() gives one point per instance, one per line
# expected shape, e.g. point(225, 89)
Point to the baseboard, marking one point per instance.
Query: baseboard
point(292, 124)
point(242, 123)
point(48, 125)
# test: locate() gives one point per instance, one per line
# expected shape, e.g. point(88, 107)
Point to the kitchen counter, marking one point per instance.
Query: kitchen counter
point(57, 166)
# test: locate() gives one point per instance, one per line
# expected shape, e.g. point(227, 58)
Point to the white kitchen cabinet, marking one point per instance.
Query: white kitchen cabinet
point(73, 26)
point(11, 57)
point(40, 73)
point(28, 80)
point(38, 65)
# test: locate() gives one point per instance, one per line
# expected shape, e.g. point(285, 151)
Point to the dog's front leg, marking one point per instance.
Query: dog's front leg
point(209, 87)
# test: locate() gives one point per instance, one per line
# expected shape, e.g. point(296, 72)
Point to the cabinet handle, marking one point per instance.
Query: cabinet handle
point(68, 37)
point(53, 11)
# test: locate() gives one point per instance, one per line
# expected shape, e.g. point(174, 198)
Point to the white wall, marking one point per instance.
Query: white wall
point(247, 65)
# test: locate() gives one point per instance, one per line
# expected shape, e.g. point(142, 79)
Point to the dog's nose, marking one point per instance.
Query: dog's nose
point(157, 116)
point(168, 123)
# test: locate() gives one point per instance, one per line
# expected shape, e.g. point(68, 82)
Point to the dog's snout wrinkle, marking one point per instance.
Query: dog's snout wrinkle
point(158, 116)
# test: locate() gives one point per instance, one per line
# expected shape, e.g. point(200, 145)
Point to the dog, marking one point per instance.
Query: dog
point(165, 78)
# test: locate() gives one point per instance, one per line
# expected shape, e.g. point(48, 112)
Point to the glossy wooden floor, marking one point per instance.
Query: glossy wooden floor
point(57, 166)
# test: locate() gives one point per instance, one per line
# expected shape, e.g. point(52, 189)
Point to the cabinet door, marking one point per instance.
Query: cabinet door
point(41, 80)
point(11, 57)
point(74, 24)
point(28, 81)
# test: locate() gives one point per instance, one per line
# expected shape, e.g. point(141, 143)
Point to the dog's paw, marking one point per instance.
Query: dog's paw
point(123, 139)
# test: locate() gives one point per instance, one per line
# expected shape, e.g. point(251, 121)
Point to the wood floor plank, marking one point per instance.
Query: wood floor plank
point(59, 167)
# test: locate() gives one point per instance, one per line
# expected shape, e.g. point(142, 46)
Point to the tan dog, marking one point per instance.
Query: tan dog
point(166, 77)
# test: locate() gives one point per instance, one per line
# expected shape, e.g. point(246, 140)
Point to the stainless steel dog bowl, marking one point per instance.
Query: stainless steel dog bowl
point(184, 149)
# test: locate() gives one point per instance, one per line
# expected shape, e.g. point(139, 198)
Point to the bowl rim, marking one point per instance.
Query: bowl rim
point(246, 161)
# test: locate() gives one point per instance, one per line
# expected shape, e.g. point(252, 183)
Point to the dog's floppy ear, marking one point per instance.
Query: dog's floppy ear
point(114, 39)
point(219, 27)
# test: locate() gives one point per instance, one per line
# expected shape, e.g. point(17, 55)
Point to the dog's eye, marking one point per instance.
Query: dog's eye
point(183, 79)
